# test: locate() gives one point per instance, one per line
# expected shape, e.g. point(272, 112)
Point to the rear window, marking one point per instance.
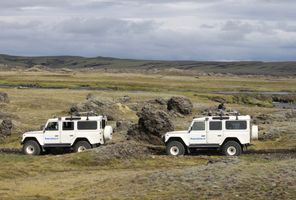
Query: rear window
point(236, 125)
point(87, 125)
point(214, 126)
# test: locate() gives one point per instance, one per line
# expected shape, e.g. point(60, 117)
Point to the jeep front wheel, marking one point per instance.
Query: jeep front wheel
point(31, 147)
point(81, 146)
point(232, 148)
point(175, 148)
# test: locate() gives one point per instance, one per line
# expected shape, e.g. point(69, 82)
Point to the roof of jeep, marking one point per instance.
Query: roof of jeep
point(77, 118)
point(240, 117)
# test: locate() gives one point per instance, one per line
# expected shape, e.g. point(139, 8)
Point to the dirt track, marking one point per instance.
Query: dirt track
point(202, 152)
point(10, 151)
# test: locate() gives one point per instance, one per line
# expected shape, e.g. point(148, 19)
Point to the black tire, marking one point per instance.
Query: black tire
point(31, 147)
point(232, 148)
point(175, 148)
point(81, 146)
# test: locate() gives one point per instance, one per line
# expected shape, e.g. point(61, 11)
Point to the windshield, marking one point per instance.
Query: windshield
point(52, 126)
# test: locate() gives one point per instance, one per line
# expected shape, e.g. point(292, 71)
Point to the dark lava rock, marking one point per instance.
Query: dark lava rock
point(180, 104)
point(90, 96)
point(4, 97)
point(218, 99)
point(92, 106)
point(263, 119)
point(125, 99)
point(5, 127)
point(152, 124)
point(159, 101)
point(123, 125)
point(98, 106)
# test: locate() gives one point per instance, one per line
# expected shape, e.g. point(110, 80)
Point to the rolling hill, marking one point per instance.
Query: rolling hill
point(77, 62)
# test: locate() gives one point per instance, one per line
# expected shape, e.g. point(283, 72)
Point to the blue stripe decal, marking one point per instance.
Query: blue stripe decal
point(197, 138)
point(51, 138)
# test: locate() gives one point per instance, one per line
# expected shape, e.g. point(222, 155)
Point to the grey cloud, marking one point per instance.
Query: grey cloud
point(102, 26)
point(164, 29)
point(17, 4)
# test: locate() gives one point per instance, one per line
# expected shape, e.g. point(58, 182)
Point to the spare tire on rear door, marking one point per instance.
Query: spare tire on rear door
point(108, 133)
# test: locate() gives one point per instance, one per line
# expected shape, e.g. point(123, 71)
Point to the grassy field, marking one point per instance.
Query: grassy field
point(261, 175)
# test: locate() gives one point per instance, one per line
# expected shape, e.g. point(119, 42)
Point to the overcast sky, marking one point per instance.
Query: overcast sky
point(151, 29)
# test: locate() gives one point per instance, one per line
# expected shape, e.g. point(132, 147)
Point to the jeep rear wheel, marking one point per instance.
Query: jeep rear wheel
point(81, 146)
point(232, 148)
point(31, 147)
point(175, 148)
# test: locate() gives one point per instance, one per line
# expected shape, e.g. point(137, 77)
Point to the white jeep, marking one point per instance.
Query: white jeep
point(227, 133)
point(73, 133)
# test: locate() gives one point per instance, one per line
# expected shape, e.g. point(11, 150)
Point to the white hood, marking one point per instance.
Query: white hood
point(32, 133)
point(176, 132)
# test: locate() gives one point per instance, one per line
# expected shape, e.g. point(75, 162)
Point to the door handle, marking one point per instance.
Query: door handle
point(56, 135)
point(71, 135)
point(203, 135)
point(219, 135)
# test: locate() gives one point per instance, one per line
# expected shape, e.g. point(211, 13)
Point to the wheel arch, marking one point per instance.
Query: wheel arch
point(176, 139)
point(31, 138)
point(232, 139)
point(80, 139)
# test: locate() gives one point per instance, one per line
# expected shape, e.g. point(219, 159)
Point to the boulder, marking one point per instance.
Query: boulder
point(4, 97)
point(181, 105)
point(92, 106)
point(125, 99)
point(5, 127)
point(159, 101)
point(152, 124)
point(95, 106)
point(218, 99)
point(123, 125)
point(90, 96)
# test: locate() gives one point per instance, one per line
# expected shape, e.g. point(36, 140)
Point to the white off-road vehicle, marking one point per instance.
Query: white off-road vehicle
point(72, 133)
point(227, 133)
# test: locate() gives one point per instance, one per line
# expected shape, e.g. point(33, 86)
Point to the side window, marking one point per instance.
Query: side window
point(68, 126)
point(87, 125)
point(52, 126)
point(236, 125)
point(215, 125)
point(198, 126)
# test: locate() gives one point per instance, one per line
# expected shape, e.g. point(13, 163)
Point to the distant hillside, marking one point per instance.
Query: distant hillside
point(76, 62)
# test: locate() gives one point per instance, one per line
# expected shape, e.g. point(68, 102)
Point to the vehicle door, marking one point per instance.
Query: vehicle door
point(52, 132)
point(68, 132)
point(197, 133)
point(215, 132)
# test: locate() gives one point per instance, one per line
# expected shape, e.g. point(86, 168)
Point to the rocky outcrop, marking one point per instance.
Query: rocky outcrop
point(4, 97)
point(96, 106)
point(181, 105)
point(152, 124)
point(5, 128)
